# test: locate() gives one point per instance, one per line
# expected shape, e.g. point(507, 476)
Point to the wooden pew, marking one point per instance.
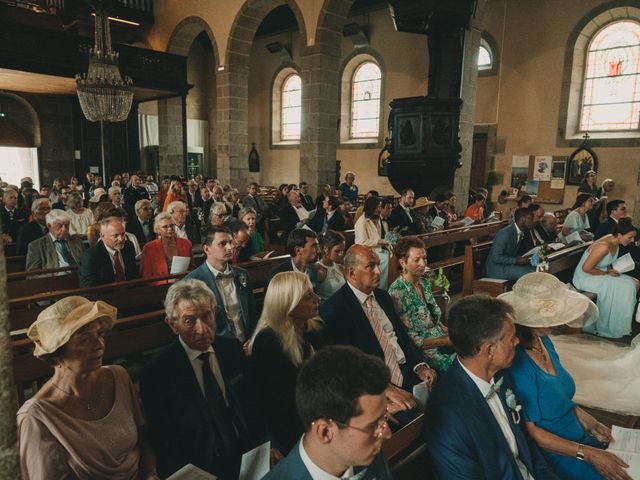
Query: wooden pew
point(133, 296)
point(22, 284)
point(561, 264)
point(16, 263)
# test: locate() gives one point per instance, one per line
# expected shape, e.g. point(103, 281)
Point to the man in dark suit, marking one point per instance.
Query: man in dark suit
point(340, 397)
point(328, 217)
point(362, 315)
point(196, 409)
point(112, 259)
point(63, 196)
point(135, 192)
point(141, 224)
point(185, 228)
point(302, 245)
point(292, 213)
point(616, 209)
point(401, 216)
point(305, 199)
point(469, 430)
point(12, 217)
point(36, 228)
point(230, 286)
point(440, 209)
point(531, 237)
point(503, 261)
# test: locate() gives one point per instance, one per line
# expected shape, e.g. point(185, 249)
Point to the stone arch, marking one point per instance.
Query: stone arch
point(331, 21)
point(33, 115)
point(186, 32)
point(246, 24)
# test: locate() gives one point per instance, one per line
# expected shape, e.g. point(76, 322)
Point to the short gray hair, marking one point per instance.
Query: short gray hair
point(57, 215)
point(104, 223)
point(141, 203)
point(37, 202)
point(160, 217)
point(191, 290)
point(173, 205)
point(113, 190)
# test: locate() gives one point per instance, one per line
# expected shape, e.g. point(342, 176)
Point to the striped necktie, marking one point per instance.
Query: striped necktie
point(389, 355)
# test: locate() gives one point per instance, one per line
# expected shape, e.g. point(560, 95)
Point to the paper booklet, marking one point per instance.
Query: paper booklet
point(180, 264)
point(624, 264)
point(191, 472)
point(255, 463)
point(573, 237)
point(437, 221)
point(626, 445)
point(532, 252)
point(467, 221)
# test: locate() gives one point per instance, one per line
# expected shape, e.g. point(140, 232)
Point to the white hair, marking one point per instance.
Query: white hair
point(113, 190)
point(173, 205)
point(37, 202)
point(57, 215)
point(141, 203)
point(104, 223)
point(218, 206)
point(193, 291)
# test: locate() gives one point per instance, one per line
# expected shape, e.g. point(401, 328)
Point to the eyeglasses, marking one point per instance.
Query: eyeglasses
point(376, 430)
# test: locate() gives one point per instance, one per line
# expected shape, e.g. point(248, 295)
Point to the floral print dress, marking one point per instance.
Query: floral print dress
point(421, 318)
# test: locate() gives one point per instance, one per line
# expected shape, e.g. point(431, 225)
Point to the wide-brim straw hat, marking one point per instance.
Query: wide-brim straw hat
point(97, 195)
point(540, 300)
point(423, 202)
point(56, 324)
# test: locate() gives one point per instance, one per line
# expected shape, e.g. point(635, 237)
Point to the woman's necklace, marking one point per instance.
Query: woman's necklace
point(540, 349)
point(69, 394)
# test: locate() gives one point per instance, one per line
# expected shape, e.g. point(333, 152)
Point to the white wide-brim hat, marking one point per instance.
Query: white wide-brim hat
point(57, 323)
point(540, 300)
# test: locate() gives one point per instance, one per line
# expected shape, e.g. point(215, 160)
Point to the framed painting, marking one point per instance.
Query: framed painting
point(579, 163)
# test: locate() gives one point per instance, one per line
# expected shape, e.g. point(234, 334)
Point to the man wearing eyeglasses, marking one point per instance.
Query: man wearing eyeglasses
point(340, 398)
point(141, 225)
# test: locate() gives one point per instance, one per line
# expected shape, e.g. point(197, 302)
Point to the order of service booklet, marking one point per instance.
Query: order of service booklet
point(626, 445)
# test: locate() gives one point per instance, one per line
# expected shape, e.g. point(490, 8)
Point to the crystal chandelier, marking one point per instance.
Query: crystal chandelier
point(104, 95)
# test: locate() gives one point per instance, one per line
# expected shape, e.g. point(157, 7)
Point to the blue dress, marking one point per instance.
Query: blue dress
point(547, 401)
point(616, 297)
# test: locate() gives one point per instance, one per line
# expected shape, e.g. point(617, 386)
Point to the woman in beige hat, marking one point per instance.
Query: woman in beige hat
point(85, 422)
point(572, 440)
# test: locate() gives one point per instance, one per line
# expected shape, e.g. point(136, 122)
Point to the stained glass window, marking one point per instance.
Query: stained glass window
point(365, 101)
point(291, 108)
point(611, 92)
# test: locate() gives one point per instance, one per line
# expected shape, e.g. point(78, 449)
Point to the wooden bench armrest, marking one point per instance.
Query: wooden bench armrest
point(402, 440)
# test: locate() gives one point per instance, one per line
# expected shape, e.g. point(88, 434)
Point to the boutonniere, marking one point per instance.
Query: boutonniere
point(513, 405)
point(242, 278)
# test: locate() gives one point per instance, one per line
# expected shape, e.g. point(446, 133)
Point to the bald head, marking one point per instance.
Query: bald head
point(362, 268)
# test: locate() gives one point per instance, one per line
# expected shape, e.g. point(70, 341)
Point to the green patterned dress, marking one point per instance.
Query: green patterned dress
point(421, 318)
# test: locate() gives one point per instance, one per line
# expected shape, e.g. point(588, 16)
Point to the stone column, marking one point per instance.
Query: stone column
point(468, 89)
point(468, 94)
point(9, 463)
point(320, 113)
point(171, 137)
point(232, 124)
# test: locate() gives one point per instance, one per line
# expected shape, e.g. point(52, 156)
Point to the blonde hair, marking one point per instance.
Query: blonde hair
point(285, 291)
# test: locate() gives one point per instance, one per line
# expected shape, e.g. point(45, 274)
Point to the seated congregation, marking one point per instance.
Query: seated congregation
point(321, 328)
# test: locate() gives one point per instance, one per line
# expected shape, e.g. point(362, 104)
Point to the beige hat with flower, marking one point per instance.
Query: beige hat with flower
point(540, 300)
point(423, 202)
point(57, 323)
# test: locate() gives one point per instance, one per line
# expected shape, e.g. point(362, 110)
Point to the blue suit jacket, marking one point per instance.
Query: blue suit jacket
point(293, 468)
point(501, 262)
point(464, 439)
point(245, 296)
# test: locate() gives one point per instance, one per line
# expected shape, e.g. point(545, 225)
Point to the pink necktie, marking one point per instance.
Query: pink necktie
point(389, 355)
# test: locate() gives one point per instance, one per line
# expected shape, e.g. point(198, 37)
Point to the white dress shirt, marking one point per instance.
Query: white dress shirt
point(302, 212)
point(196, 364)
point(501, 417)
point(231, 303)
point(315, 471)
point(181, 232)
point(407, 210)
point(387, 326)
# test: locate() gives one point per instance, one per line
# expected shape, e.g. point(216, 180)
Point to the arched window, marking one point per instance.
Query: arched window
point(291, 108)
point(611, 91)
point(365, 101)
point(485, 56)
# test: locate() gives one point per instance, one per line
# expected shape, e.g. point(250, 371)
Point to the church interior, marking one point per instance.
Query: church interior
point(530, 110)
